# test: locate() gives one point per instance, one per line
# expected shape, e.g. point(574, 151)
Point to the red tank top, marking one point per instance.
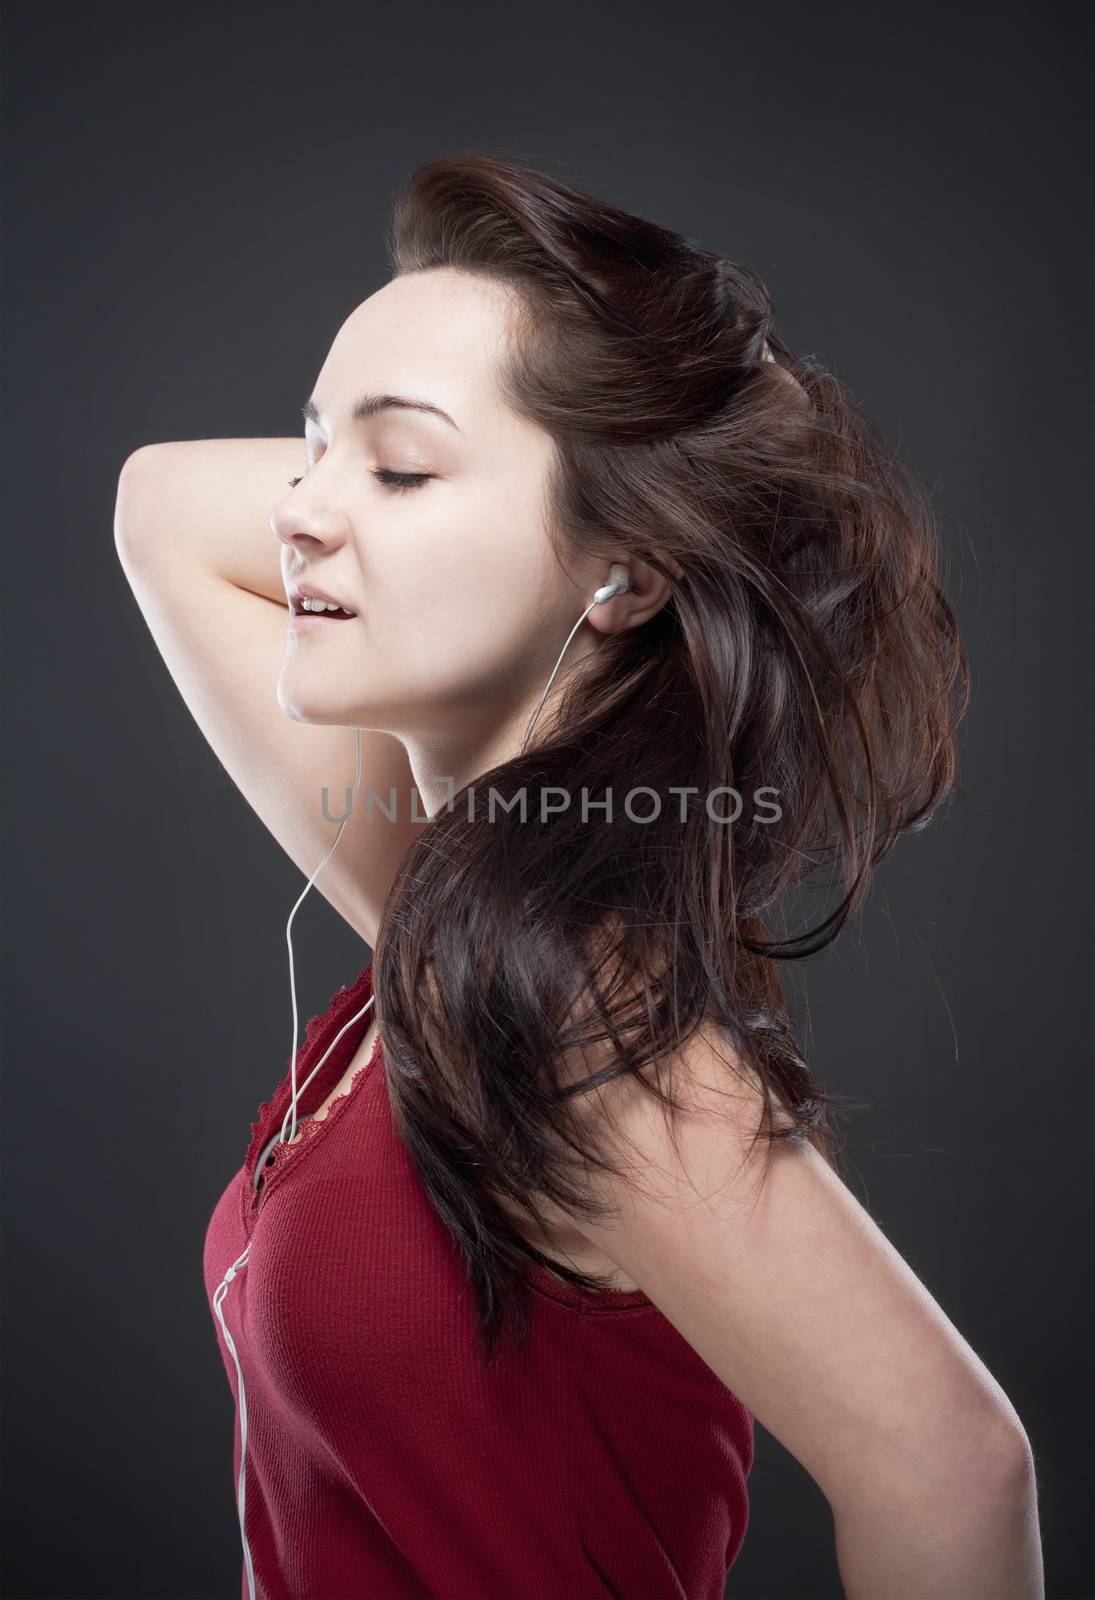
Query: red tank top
point(606, 1458)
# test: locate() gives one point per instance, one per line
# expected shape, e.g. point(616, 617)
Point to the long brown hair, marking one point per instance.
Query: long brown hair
point(807, 648)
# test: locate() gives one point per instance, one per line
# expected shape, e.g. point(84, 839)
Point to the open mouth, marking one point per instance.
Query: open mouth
point(324, 613)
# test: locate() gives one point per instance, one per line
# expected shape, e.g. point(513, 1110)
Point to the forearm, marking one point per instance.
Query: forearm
point(974, 1542)
point(209, 501)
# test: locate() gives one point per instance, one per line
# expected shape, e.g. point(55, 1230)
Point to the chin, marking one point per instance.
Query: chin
point(303, 703)
point(300, 704)
point(322, 715)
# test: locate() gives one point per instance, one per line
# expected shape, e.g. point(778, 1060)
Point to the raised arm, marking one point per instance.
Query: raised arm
point(193, 536)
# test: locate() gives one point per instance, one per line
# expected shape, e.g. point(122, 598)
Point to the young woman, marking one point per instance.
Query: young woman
point(563, 449)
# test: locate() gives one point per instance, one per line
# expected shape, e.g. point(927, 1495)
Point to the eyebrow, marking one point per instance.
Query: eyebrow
point(370, 405)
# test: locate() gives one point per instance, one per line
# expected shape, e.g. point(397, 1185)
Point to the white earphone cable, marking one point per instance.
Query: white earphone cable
point(619, 583)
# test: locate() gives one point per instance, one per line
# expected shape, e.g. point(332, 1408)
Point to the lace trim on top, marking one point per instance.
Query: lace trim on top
point(319, 1031)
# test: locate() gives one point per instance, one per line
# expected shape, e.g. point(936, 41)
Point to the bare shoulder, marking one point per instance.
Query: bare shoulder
point(788, 1289)
point(718, 1101)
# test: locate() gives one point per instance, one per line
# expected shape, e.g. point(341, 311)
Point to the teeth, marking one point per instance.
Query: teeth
point(308, 604)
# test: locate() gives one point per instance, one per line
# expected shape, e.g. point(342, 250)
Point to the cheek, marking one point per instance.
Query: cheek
point(471, 630)
point(463, 565)
point(476, 630)
point(461, 586)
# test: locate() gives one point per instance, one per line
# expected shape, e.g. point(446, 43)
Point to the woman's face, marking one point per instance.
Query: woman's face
point(461, 608)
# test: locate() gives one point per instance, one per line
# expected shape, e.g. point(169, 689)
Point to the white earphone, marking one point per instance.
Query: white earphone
point(619, 582)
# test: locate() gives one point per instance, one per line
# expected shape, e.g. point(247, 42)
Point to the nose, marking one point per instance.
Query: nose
point(302, 523)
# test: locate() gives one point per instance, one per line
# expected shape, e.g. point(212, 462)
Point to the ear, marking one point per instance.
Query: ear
point(649, 591)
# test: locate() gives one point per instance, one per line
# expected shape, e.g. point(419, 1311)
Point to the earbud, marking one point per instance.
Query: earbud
point(619, 582)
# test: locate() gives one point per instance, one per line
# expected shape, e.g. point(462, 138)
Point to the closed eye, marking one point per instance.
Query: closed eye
point(390, 477)
point(402, 480)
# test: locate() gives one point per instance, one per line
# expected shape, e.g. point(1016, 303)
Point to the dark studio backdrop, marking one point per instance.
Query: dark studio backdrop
point(194, 200)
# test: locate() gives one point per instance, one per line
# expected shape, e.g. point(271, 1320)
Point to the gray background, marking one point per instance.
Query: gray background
point(193, 203)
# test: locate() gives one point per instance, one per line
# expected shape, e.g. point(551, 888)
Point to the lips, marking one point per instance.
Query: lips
point(317, 621)
point(298, 596)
